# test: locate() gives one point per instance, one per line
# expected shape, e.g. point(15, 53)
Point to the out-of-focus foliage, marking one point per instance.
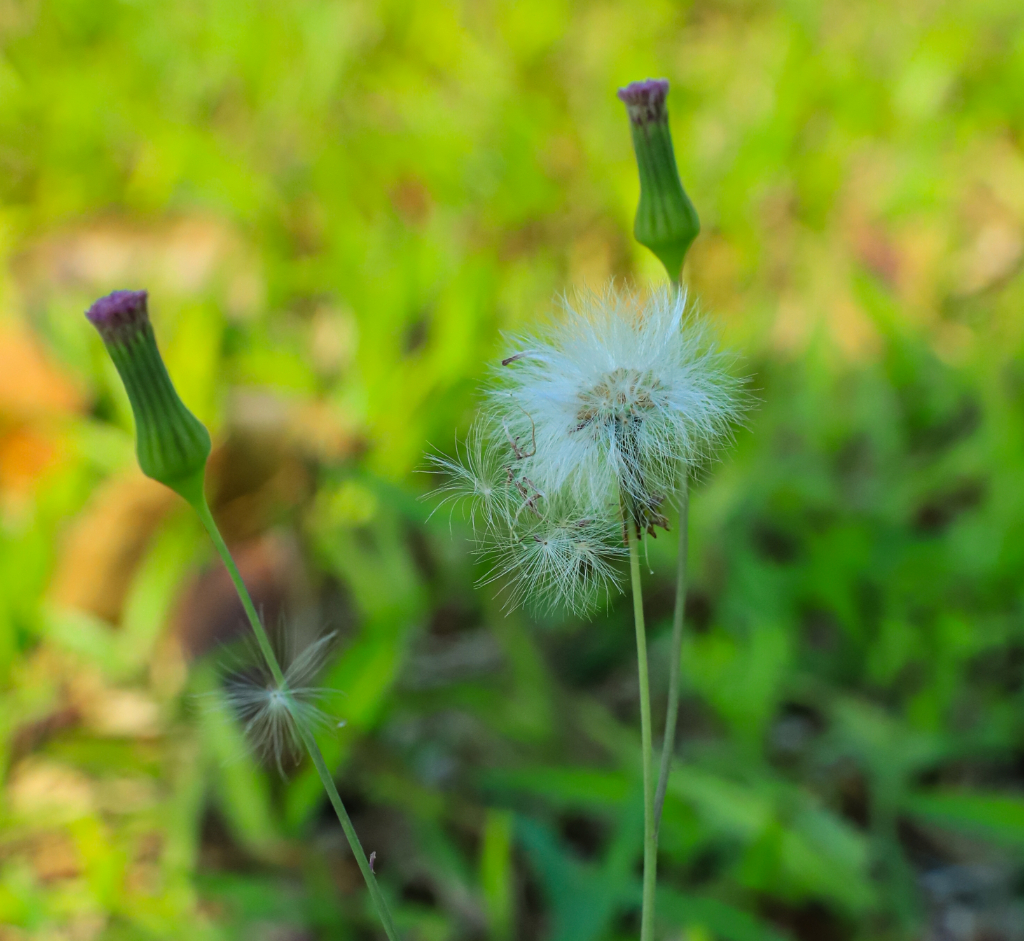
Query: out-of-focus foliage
point(336, 208)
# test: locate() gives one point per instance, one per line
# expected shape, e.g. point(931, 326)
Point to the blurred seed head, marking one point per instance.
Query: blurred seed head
point(272, 714)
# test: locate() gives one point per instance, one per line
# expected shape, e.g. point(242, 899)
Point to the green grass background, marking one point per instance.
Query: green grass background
point(337, 208)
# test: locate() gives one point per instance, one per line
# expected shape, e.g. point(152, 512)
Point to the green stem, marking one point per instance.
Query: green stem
point(672, 711)
point(201, 507)
point(650, 829)
point(206, 517)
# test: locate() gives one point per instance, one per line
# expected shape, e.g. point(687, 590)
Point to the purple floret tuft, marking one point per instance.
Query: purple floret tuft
point(119, 314)
point(645, 101)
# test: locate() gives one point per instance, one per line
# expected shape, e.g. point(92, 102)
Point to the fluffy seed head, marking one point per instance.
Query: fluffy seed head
point(619, 396)
point(559, 559)
point(591, 422)
point(271, 715)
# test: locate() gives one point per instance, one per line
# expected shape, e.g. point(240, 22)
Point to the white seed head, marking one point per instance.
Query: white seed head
point(619, 396)
point(560, 559)
point(597, 417)
point(271, 715)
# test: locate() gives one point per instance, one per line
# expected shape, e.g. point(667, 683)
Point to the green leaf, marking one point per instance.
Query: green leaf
point(584, 898)
point(565, 787)
point(998, 818)
point(497, 874)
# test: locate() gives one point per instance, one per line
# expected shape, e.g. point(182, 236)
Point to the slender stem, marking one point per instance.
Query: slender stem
point(201, 507)
point(650, 830)
point(672, 710)
point(203, 510)
point(380, 903)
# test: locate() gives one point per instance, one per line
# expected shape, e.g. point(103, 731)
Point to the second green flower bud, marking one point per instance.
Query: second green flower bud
point(666, 221)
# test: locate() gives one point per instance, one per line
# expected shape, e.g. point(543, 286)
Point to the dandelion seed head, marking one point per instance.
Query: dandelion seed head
point(619, 395)
point(558, 560)
point(273, 714)
point(596, 417)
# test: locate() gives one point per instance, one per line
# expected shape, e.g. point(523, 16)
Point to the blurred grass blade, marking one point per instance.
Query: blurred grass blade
point(497, 878)
point(998, 818)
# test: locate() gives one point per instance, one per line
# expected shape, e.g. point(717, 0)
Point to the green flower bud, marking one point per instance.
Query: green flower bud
point(171, 443)
point(666, 221)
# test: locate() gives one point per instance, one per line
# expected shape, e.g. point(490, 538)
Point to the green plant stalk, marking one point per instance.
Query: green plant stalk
point(650, 828)
point(199, 504)
point(672, 709)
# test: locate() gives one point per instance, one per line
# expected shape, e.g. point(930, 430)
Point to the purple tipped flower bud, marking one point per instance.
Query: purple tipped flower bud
point(645, 101)
point(171, 443)
point(119, 315)
point(666, 221)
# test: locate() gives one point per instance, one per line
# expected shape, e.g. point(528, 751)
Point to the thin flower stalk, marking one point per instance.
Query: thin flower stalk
point(675, 654)
point(172, 447)
point(667, 223)
point(650, 826)
point(323, 772)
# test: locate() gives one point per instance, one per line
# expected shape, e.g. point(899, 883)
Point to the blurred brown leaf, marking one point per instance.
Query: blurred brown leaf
point(38, 786)
point(54, 857)
point(180, 256)
point(98, 558)
point(993, 257)
point(107, 710)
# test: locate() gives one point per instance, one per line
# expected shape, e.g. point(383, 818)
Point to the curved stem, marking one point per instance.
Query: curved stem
point(672, 711)
point(201, 507)
point(650, 830)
